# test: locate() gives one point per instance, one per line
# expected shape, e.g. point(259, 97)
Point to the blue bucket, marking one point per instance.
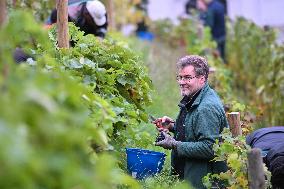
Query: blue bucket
point(146, 36)
point(144, 163)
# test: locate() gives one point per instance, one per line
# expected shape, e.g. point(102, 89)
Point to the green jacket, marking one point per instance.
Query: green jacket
point(204, 122)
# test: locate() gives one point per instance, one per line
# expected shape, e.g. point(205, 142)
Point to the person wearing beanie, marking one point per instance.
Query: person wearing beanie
point(89, 16)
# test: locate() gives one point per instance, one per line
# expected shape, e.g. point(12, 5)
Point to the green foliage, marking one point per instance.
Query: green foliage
point(31, 36)
point(238, 107)
point(112, 70)
point(257, 62)
point(163, 30)
point(164, 180)
point(39, 8)
point(189, 32)
point(45, 127)
point(234, 152)
point(49, 118)
point(161, 62)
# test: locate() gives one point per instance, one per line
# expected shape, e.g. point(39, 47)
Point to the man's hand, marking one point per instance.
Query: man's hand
point(164, 124)
point(168, 143)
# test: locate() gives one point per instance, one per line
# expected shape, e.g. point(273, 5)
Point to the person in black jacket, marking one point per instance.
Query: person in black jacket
point(20, 56)
point(275, 163)
point(213, 15)
point(271, 142)
point(90, 17)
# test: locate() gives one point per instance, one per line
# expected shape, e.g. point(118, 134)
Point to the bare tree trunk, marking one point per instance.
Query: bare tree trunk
point(62, 23)
point(235, 123)
point(111, 14)
point(3, 12)
point(255, 170)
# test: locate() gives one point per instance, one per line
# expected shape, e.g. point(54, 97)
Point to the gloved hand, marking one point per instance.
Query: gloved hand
point(164, 124)
point(168, 143)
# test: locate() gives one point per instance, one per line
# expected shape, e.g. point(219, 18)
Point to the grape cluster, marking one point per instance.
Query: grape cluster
point(160, 137)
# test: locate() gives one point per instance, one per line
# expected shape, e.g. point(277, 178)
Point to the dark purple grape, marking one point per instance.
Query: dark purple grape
point(160, 137)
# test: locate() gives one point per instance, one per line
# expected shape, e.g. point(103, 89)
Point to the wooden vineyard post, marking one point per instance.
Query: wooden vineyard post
point(111, 14)
point(234, 120)
point(62, 23)
point(255, 170)
point(3, 12)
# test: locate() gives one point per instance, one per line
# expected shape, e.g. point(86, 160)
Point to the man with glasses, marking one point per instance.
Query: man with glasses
point(200, 121)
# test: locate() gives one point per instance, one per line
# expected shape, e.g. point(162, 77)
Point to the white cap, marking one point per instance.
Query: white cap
point(97, 10)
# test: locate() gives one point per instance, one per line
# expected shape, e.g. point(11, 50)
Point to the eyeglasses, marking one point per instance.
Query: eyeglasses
point(185, 78)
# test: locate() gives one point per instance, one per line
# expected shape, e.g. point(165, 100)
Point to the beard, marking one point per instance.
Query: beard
point(186, 91)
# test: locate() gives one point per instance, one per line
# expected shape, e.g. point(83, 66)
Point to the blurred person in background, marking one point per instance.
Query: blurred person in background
point(90, 16)
point(213, 15)
point(142, 28)
point(190, 4)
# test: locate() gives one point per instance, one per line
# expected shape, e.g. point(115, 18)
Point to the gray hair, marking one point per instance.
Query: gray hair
point(199, 63)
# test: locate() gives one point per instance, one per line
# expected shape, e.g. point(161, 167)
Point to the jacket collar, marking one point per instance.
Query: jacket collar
point(198, 99)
